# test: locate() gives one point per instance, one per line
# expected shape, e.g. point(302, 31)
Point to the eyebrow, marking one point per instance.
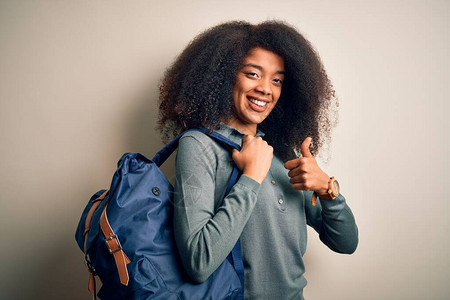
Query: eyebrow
point(260, 68)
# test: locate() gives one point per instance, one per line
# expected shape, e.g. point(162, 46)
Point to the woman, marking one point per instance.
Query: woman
point(264, 87)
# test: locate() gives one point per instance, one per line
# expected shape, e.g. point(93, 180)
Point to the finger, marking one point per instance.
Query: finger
point(290, 164)
point(294, 172)
point(247, 138)
point(235, 154)
point(300, 165)
point(301, 187)
point(301, 179)
point(304, 147)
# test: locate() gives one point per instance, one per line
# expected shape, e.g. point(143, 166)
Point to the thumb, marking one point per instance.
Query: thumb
point(246, 138)
point(304, 147)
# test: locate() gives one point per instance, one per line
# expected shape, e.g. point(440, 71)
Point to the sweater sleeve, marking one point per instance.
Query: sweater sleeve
point(204, 232)
point(335, 223)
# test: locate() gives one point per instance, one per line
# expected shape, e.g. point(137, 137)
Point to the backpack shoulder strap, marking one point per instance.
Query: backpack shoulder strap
point(165, 152)
point(235, 256)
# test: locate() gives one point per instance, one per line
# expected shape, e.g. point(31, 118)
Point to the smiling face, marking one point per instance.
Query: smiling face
point(257, 89)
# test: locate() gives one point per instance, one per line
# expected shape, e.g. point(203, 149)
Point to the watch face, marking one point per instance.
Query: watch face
point(336, 189)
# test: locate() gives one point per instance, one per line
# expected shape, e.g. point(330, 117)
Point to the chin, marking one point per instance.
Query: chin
point(257, 120)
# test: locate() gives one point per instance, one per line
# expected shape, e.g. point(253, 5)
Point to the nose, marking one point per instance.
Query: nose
point(264, 87)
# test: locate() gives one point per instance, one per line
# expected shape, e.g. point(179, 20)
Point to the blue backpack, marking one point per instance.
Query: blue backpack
point(126, 234)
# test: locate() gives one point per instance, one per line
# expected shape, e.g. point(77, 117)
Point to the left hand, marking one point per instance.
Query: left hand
point(305, 173)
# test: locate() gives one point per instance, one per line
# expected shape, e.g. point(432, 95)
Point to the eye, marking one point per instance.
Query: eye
point(252, 74)
point(278, 81)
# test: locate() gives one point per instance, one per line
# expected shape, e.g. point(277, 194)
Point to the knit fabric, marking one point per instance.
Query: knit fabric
point(270, 218)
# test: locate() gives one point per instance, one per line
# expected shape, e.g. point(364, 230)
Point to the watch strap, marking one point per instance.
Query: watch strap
point(327, 196)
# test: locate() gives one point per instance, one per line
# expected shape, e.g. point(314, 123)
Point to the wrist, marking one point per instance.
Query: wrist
point(254, 176)
point(332, 190)
point(324, 186)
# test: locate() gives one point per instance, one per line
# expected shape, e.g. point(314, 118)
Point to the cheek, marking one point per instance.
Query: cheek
point(244, 84)
point(236, 94)
point(277, 95)
point(239, 93)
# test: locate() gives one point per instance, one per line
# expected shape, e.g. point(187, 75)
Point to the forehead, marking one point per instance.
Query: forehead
point(264, 58)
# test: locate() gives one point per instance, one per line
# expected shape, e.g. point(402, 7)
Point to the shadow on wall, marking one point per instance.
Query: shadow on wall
point(61, 274)
point(144, 137)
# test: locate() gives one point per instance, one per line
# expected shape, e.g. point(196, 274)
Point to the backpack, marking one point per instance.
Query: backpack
point(126, 234)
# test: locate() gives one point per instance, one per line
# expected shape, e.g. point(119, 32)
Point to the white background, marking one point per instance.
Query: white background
point(79, 86)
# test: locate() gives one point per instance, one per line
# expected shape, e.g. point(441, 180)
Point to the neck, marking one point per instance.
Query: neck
point(249, 129)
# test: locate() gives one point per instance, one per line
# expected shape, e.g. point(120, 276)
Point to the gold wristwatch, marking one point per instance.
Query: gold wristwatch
point(332, 192)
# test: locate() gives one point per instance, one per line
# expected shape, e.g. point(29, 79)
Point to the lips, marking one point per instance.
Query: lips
point(257, 104)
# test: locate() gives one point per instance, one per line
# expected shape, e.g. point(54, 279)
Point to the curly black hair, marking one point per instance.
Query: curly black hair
point(196, 90)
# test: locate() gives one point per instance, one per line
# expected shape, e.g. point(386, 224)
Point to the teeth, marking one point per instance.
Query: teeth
point(257, 102)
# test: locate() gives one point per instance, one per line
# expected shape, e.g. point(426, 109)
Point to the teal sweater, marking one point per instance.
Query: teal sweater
point(270, 218)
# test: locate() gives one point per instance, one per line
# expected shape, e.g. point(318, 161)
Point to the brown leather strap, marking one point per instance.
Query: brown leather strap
point(115, 248)
point(314, 199)
point(92, 286)
point(315, 195)
point(87, 226)
point(87, 223)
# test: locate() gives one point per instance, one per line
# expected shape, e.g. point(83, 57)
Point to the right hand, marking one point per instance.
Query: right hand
point(255, 157)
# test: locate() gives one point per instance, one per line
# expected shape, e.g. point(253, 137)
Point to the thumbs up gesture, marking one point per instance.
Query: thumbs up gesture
point(305, 173)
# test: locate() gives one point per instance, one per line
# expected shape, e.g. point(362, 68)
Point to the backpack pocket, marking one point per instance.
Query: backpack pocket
point(143, 282)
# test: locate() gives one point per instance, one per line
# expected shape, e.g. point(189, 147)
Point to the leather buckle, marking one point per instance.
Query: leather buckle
point(89, 265)
point(119, 246)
